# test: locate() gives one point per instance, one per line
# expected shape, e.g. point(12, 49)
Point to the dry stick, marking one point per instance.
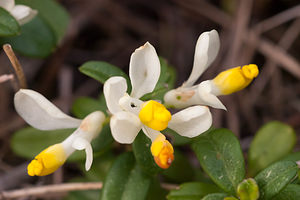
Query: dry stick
point(277, 20)
point(59, 188)
point(42, 190)
point(285, 42)
point(16, 65)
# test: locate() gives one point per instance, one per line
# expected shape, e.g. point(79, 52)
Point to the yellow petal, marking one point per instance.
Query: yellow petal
point(235, 79)
point(154, 115)
point(48, 161)
point(162, 152)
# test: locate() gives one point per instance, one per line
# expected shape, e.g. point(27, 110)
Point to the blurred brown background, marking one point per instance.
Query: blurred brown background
point(263, 32)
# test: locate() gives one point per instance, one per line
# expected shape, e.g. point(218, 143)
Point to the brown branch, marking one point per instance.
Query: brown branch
point(16, 65)
point(60, 188)
point(42, 190)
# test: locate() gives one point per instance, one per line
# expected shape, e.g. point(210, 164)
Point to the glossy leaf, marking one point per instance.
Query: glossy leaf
point(36, 39)
point(262, 152)
point(274, 178)
point(58, 22)
point(220, 155)
point(215, 196)
point(292, 157)
point(83, 106)
point(125, 180)
point(192, 191)
point(141, 149)
point(176, 139)
point(101, 71)
point(290, 192)
point(8, 24)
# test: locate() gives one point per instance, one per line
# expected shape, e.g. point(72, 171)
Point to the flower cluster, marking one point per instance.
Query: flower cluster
point(130, 115)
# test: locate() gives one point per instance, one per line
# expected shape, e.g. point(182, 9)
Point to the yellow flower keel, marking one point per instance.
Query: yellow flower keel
point(48, 161)
point(235, 79)
point(162, 152)
point(155, 115)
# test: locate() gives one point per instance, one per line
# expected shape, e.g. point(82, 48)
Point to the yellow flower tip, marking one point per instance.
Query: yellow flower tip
point(250, 71)
point(48, 161)
point(235, 79)
point(155, 115)
point(162, 152)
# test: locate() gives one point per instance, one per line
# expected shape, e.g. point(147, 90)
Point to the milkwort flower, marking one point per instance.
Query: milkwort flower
point(130, 114)
point(40, 113)
point(205, 93)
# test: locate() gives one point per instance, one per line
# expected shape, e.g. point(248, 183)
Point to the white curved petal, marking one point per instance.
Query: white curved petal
point(7, 4)
point(92, 125)
point(144, 70)
point(124, 127)
point(151, 133)
point(80, 144)
point(207, 93)
point(191, 121)
point(206, 50)
point(40, 113)
point(114, 88)
point(23, 14)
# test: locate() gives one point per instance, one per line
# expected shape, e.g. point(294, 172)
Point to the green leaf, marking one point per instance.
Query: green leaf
point(192, 191)
point(101, 71)
point(220, 155)
point(141, 149)
point(83, 106)
point(29, 142)
point(262, 152)
point(8, 24)
point(175, 172)
point(248, 190)
point(215, 196)
point(291, 192)
point(36, 39)
point(103, 141)
point(176, 139)
point(274, 178)
point(156, 191)
point(125, 180)
point(52, 13)
point(293, 157)
point(165, 82)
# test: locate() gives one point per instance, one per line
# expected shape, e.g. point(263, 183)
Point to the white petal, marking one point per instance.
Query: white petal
point(114, 88)
point(23, 14)
point(124, 127)
point(80, 144)
point(7, 4)
point(207, 93)
point(150, 133)
point(206, 50)
point(191, 121)
point(144, 70)
point(92, 125)
point(40, 113)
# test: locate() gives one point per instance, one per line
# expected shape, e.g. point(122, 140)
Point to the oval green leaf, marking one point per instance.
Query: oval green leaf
point(101, 71)
point(36, 39)
point(83, 106)
point(262, 152)
point(290, 192)
point(52, 13)
point(192, 191)
point(274, 178)
point(220, 155)
point(125, 180)
point(141, 149)
point(8, 24)
point(215, 196)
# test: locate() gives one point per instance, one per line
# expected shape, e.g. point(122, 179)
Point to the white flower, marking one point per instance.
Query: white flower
point(206, 92)
point(21, 13)
point(130, 114)
point(40, 113)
